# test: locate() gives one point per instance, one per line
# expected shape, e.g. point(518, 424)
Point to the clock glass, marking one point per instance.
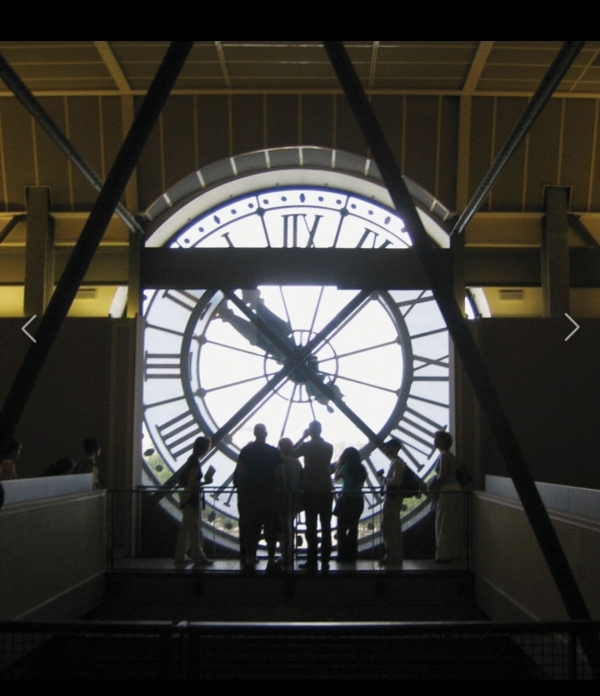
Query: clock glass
point(367, 365)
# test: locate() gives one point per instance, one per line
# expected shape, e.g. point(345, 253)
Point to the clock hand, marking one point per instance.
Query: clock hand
point(317, 394)
point(248, 328)
point(251, 331)
point(299, 364)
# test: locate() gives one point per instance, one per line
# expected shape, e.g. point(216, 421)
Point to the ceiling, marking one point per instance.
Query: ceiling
point(453, 68)
point(449, 67)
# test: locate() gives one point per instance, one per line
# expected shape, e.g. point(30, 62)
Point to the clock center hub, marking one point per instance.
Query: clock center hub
point(323, 362)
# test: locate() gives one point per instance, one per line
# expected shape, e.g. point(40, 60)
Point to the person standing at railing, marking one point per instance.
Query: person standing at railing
point(259, 479)
point(8, 469)
point(190, 534)
point(448, 510)
point(392, 505)
point(290, 504)
point(350, 503)
point(92, 450)
point(318, 493)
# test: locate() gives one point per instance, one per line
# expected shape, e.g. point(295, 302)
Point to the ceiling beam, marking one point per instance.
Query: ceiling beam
point(373, 70)
point(223, 62)
point(552, 79)
point(113, 66)
point(43, 118)
point(483, 51)
point(374, 269)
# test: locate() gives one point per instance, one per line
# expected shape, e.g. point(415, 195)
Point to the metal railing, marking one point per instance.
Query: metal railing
point(154, 514)
point(184, 650)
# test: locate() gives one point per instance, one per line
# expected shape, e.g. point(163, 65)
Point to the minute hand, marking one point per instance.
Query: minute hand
point(297, 358)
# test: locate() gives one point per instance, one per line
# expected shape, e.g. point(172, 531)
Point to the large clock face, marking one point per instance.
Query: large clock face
point(367, 365)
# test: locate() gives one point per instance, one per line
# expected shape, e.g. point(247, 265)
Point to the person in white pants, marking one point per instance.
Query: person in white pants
point(190, 535)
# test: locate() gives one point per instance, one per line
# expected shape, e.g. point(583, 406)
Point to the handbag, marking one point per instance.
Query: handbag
point(463, 476)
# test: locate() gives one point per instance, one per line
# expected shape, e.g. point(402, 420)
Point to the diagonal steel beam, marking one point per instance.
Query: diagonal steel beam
point(465, 345)
point(23, 94)
point(90, 238)
point(556, 72)
point(10, 226)
point(574, 222)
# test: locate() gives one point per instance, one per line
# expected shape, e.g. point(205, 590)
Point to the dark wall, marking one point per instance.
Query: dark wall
point(550, 390)
point(85, 390)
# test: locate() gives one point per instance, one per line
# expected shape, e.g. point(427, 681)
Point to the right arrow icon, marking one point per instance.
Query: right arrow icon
point(575, 330)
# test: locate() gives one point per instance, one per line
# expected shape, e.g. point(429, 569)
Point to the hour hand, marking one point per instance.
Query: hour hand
point(319, 396)
point(252, 334)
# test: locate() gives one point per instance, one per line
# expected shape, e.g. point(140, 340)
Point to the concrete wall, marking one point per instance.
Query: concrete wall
point(550, 390)
point(85, 389)
point(53, 557)
point(513, 582)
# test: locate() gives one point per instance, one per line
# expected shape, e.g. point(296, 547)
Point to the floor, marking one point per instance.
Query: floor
point(232, 565)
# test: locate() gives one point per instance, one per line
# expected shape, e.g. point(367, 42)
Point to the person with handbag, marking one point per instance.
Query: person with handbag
point(449, 502)
point(350, 503)
point(392, 505)
point(190, 534)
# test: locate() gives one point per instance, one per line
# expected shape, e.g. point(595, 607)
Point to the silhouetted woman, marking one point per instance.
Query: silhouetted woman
point(350, 503)
point(449, 505)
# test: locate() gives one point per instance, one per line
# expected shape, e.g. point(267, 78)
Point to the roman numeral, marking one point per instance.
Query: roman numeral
point(420, 429)
point(406, 306)
point(291, 230)
point(430, 362)
point(428, 333)
point(182, 297)
point(371, 236)
point(174, 332)
point(179, 433)
point(162, 366)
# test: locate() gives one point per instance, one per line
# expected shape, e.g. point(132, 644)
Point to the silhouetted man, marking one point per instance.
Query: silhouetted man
point(318, 493)
point(258, 476)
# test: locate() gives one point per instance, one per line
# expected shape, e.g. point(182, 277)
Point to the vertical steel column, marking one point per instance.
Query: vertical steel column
point(466, 347)
point(90, 238)
point(555, 252)
point(39, 251)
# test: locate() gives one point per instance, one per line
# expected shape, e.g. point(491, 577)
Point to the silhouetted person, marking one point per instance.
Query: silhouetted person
point(392, 504)
point(449, 504)
point(92, 449)
point(8, 469)
point(65, 466)
point(190, 533)
point(290, 498)
point(318, 493)
point(350, 503)
point(258, 478)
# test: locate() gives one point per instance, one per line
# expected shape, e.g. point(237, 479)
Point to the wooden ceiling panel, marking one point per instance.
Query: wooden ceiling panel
point(512, 66)
point(274, 52)
point(441, 72)
point(24, 52)
point(285, 71)
point(460, 52)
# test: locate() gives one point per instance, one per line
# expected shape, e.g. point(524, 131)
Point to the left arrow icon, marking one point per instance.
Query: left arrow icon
point(24, 328)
